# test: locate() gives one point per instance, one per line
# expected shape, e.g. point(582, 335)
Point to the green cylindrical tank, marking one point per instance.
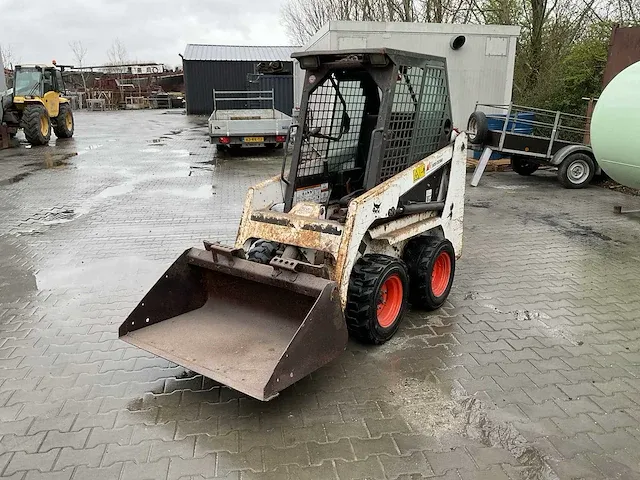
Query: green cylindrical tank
point(615, 128)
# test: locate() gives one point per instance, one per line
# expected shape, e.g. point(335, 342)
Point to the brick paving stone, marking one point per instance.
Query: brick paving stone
point(441, 462)
point(229, 462)
point(378, 427)
point(42, 462)
point(276, 457)
point(146, 471)
point(493, 473)
point(183, 448)
point(122, 453)
point(416, 463)
point(326, 471)
point(370, 469)
point(336, 431)
point(70, 457)
point(180, 467)
point(223, 443)
point(363, 448)
point(317, 433)
point(64, 475)
point(319, 452)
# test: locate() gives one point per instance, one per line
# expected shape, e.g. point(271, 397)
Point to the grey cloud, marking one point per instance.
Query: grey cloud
point(150, 30)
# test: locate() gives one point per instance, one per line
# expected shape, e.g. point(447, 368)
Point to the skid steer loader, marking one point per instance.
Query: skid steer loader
point(367, 219)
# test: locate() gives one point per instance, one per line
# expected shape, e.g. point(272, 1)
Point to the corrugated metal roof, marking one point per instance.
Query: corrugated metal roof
point(238, 53)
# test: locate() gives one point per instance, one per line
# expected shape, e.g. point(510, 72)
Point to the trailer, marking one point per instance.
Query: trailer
point(247, 119)
point(533, 137)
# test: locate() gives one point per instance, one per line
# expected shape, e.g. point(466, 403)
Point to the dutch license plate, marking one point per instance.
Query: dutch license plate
point(254, 139)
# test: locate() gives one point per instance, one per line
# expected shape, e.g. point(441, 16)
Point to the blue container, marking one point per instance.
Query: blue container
point(496, 122)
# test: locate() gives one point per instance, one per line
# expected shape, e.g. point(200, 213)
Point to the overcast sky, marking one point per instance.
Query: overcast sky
point(151, 30)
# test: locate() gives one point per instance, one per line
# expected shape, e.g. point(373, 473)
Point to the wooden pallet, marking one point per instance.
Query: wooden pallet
point(499, 165)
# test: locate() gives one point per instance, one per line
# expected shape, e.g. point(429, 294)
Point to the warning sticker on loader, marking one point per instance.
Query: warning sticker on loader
point(419, 172)
point(315, 194)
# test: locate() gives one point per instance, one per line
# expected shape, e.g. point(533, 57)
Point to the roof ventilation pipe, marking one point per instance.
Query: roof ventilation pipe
point(457, 42)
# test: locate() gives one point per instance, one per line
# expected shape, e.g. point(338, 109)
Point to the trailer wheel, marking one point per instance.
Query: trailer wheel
point(576, 171)
point(262, 251)
point(432, 266)
point(377, 298)
point(523, 166)
point(477, 128)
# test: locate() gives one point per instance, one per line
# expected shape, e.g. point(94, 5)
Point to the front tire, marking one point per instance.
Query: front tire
point(65, 123)
point(576, 171)
point(377, 298)
point(262, 251)
point(523, 166)
point(432, 267)
point(36, 124)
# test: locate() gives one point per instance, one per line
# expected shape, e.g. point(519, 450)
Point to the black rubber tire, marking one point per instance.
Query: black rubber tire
point(60, 128)
point(523, 166)
point(420, 255)
point(262, 251)
point(477, 128)
point(565, 170)
point(367, 277)
point(31, 124)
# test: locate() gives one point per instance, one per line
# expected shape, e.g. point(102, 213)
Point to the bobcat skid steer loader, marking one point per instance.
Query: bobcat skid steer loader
point(364, 219)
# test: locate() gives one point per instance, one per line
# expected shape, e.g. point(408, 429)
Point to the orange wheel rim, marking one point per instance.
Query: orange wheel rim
point(441, 274)
point(389, 301)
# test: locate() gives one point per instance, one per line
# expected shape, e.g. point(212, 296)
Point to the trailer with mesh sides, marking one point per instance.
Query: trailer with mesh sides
point(247, 119)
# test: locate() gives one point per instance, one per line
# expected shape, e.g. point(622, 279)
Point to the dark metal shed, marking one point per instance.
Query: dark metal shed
point(226, 67)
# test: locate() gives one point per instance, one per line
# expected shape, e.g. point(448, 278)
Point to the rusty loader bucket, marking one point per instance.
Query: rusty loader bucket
point(255, 328)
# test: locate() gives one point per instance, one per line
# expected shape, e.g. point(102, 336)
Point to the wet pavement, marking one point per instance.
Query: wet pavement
point(530, 371)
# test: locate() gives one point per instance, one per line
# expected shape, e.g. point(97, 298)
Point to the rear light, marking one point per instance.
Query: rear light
point(224, 140)
point(281, 138)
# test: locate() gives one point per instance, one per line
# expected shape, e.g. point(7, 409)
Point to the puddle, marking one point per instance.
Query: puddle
point(482, 425)
point(117, 190)
point(58, 216)
point(180, 153)
point(15, 178)
point(133, 273)
point(203, 192)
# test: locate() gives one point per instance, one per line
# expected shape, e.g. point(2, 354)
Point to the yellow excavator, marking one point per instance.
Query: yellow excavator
point(37, 105)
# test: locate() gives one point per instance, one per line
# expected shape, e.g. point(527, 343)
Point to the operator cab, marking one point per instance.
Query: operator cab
point(365, 116)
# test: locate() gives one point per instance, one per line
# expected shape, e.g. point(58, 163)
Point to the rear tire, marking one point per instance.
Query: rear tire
point(262, 251)
point(36, 124)
point(377, 298)
point(576, 171)
point(523, 166)
point(65, 123)
point(477, 128)
point(432, 266)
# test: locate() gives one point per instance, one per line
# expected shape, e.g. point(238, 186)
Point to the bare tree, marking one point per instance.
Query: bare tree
point(9, 58)
point(79, 53)
point(117, 53)
point(303, 18)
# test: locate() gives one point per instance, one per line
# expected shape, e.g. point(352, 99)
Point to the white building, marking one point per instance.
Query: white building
point(480, 70)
